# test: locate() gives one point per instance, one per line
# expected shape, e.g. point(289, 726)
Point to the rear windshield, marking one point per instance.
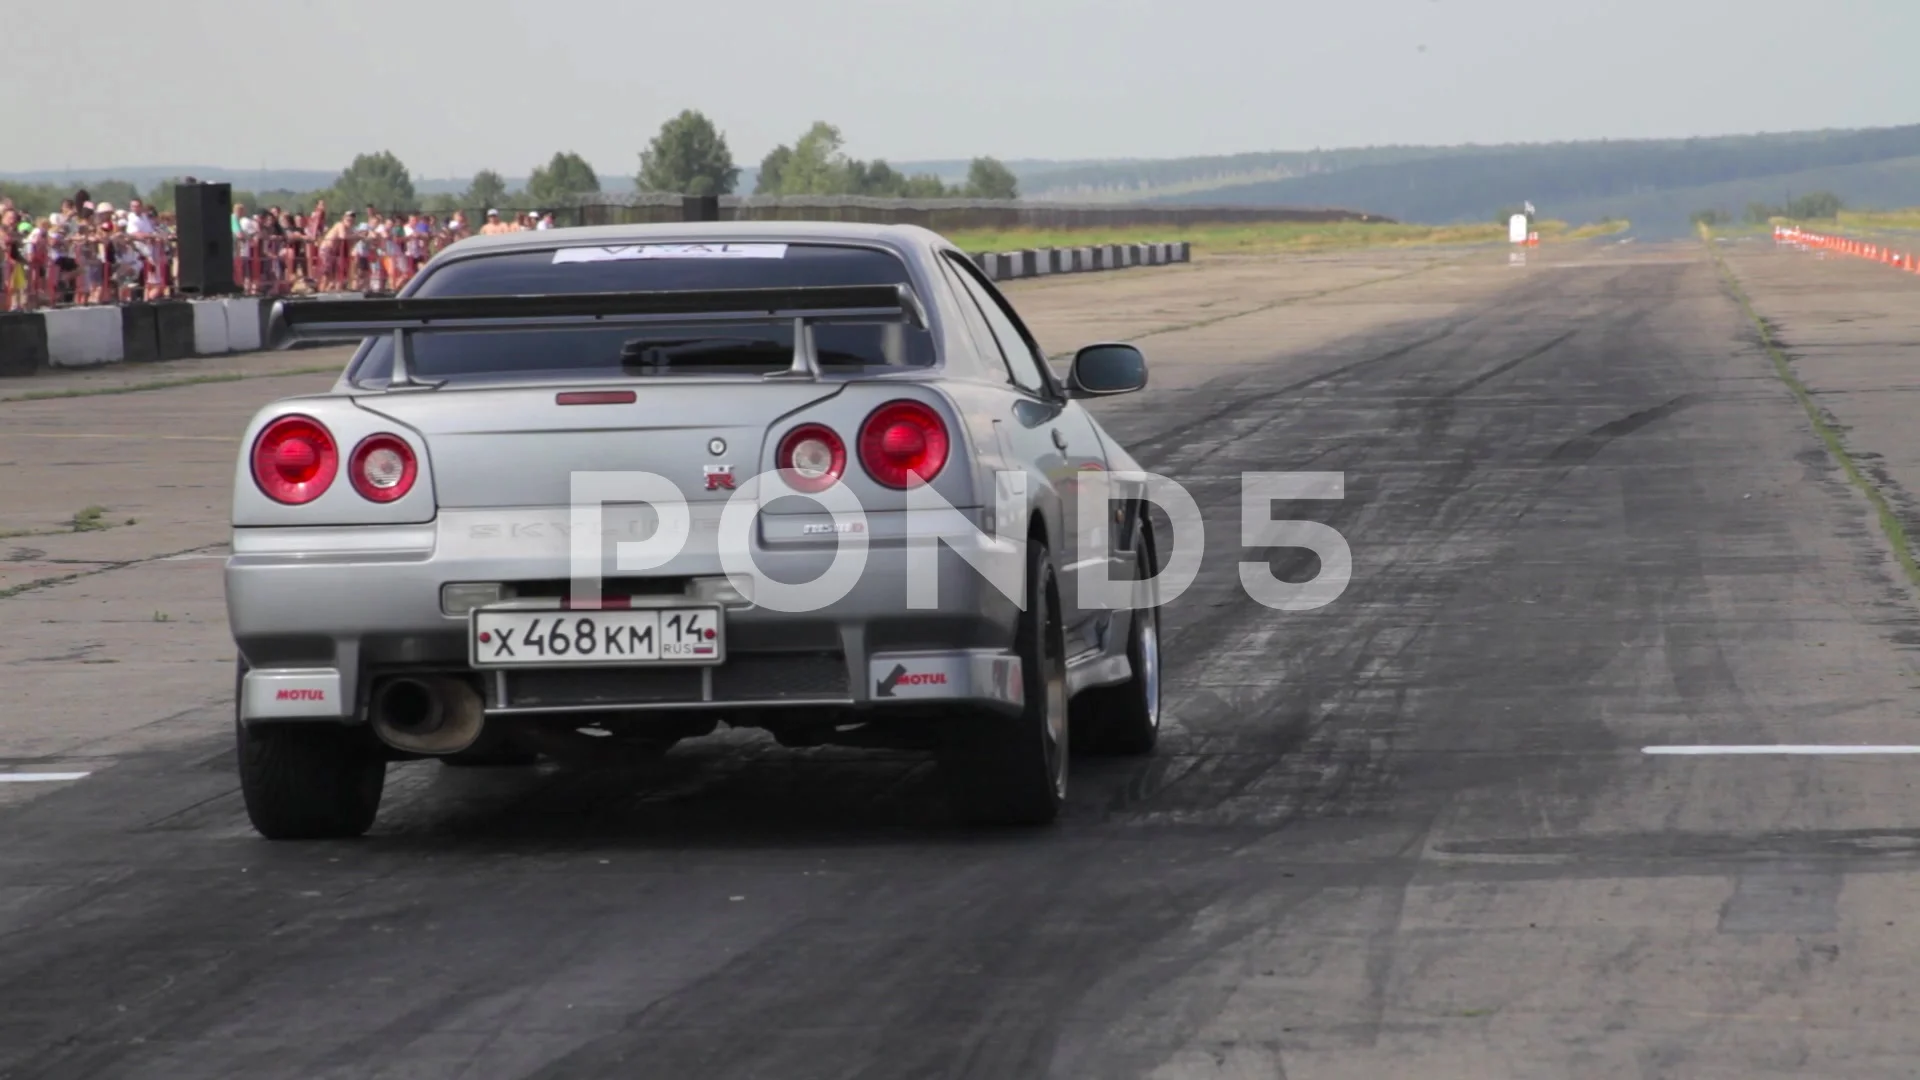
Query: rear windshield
point(690, 348)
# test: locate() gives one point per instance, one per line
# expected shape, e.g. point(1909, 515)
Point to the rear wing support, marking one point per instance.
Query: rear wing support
point(293, 321)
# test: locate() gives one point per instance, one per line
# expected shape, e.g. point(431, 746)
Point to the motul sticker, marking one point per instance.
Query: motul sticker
point(291, 694)
point(972, 676)
point(900, 678)
point(918, 678)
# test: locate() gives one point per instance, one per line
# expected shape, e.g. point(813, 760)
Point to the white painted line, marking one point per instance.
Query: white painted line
point(39, 777)
point(1705, 751)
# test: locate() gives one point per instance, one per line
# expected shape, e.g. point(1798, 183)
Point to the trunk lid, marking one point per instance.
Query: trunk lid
point(519, 446)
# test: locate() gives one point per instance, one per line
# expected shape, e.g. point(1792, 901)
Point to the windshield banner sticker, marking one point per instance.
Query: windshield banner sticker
point(627, 252)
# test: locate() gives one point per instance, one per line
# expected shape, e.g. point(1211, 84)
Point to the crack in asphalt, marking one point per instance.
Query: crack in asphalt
point(104, 568)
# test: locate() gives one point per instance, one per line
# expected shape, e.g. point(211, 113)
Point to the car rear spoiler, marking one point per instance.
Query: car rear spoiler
point(293, 321)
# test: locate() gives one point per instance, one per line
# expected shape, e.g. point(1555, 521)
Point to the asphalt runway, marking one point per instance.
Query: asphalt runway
point(1413, 833)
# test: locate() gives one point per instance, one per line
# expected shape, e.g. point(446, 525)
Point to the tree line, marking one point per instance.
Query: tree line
point(689, 155)
point(1817, 206)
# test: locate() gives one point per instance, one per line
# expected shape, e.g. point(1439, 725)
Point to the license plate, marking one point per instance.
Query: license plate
point(677, 635)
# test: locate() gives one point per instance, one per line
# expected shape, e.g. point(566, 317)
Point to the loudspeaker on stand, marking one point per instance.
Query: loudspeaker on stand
point(204, 217)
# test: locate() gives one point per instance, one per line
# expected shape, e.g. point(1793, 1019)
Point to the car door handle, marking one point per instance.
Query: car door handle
point(1059, 440)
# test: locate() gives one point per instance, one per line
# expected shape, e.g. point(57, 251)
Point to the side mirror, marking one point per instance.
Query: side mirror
point(1108, 368)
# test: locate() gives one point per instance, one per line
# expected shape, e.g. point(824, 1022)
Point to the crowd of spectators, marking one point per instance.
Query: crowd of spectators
point(98, 253)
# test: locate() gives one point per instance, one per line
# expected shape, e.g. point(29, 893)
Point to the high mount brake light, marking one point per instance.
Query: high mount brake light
point(811, 458)
point(383, 468)
point(902, 440)
point(295, 460)
point(596, 397)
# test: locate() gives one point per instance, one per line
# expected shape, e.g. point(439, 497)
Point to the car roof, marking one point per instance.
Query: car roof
point(792, 232)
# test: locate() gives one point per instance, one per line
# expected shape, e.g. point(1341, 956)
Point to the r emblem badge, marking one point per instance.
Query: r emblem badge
point(719, 476)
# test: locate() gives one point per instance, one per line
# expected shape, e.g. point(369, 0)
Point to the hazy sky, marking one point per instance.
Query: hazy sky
point(454, 87)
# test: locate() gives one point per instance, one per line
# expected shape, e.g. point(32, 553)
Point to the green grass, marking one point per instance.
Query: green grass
point(1876, 219)
point(1591, 231)
point(1897, 229)
point(1737, 230)
point(1272, 237)
point(91, 519)
point(1895, 533)
point(162, 384)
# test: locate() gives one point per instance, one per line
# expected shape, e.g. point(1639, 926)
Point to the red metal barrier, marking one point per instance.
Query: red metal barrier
point(85, 263)
point(96, 267)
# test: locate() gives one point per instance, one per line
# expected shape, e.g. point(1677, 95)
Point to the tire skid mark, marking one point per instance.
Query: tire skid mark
point(1142, 448)
point(1495, 372)
point(1584, 448)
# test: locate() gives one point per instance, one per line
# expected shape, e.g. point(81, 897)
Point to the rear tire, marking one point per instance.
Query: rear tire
point(1012, 770)
point(1125, 719)
point(310, 781)
point(307, 781)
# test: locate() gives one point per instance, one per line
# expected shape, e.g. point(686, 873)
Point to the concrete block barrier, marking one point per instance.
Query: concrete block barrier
point(173, 329)
point(1039, 262)
point(139, 334)
point(245, 319)
point(23, 343)
point(209, 327)
point(84, 336)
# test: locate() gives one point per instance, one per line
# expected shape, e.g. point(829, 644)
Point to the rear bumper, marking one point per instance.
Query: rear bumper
point(321, 614)
point(979, 677)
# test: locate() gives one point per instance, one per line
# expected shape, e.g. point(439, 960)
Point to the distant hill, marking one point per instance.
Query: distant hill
point(1147, 177)
point(1657, 184)
point(1873, 185)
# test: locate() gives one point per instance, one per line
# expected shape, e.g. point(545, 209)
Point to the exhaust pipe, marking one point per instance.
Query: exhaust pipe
point(433, 714)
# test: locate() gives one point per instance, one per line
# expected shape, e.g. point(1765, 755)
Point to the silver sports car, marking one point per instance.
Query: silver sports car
point(584, 493)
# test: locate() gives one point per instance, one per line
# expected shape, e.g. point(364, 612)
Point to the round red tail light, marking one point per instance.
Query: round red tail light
point(811, 458)
point(295, 460)
point(382, 468)
point(902, 440)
